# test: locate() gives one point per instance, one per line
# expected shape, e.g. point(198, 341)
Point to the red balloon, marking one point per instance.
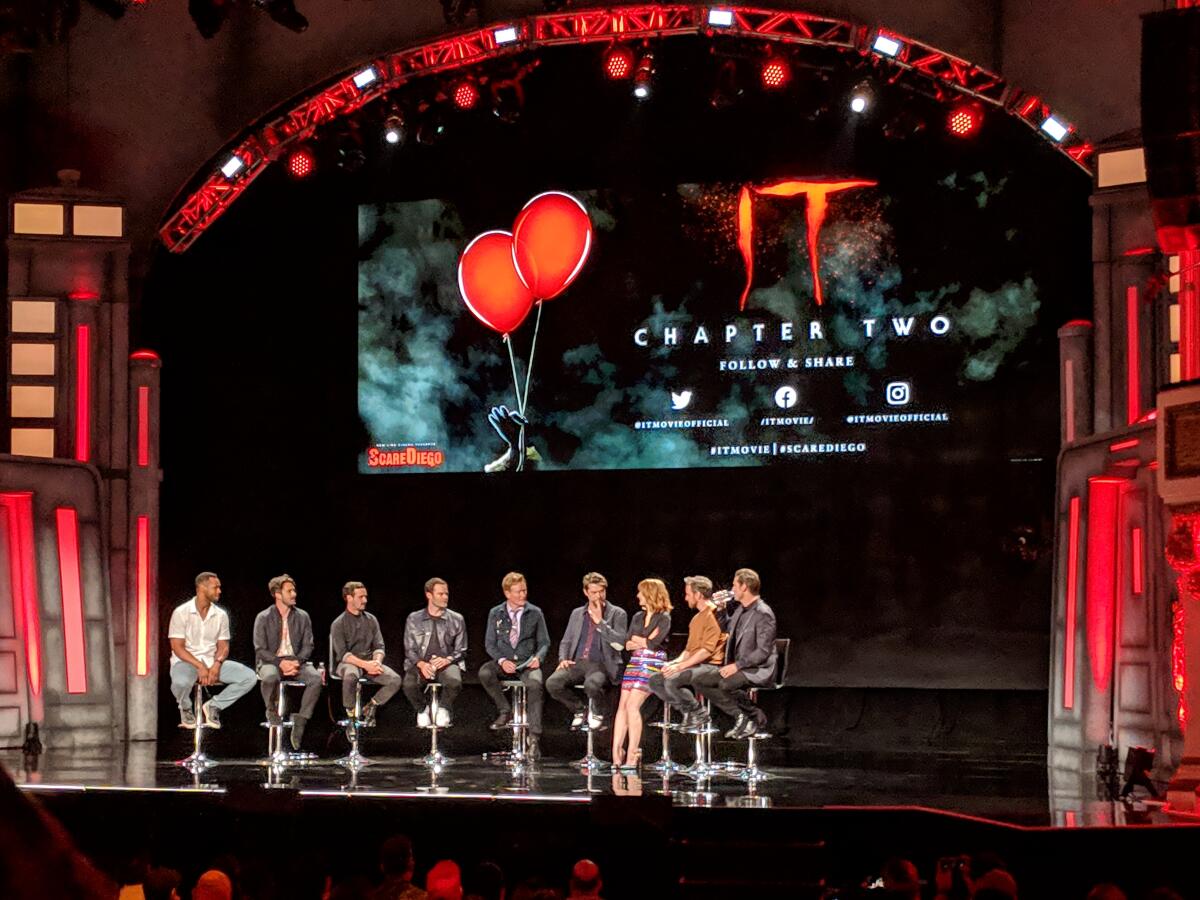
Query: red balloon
point(489, 284)
point(551, 241)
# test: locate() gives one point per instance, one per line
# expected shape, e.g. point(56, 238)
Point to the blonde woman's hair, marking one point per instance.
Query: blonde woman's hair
point(655, 592)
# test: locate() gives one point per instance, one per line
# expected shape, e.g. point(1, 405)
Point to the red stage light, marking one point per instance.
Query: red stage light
point(776, 73)
point(466, 95)
point(301, 163)
point(618, 63)
point(964, 121)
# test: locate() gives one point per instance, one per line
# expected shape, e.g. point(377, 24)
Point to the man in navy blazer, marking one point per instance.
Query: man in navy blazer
point(590, 652)
point(517, 642)
point(750, 658)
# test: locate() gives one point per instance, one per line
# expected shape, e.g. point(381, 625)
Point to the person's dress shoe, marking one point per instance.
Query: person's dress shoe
point(501, 721)
point(369, 712)
point(533, 747)
point(738, 725)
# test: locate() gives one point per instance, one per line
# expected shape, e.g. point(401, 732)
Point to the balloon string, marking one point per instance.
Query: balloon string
point(513, 362)
point(532, 349)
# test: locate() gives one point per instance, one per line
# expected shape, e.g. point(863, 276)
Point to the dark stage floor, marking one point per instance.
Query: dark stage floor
point(1014, 793)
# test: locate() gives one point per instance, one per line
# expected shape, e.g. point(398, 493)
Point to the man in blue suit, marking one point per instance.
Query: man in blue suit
point(517, 642)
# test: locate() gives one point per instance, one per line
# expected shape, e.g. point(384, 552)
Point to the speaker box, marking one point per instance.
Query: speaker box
point(1171, 124)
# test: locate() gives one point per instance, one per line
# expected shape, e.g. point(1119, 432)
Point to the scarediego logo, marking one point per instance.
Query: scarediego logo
point(405, 457)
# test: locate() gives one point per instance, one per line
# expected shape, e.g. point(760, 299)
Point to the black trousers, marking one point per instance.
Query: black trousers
point(730, 695)
point(591, 675)
point(450, 678)
point(490, 676)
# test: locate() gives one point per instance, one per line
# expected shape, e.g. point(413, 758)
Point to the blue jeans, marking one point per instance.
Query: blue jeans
point(238, 679)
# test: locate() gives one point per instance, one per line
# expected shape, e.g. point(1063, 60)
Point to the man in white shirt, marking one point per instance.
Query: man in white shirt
point(199, 635)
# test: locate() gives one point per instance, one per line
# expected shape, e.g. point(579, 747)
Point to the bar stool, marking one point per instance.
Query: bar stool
point(277, 755)
point(517, 759)
point(434, 759)
point(354, 759)
point(590, 762)
point(665, 764)
point(702, 766)
point(199, 760)
point(750, 772)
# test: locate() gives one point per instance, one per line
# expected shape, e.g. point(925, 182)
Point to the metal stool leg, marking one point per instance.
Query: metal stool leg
point(702, 766)
point(354, 760)
point(278, 756)
point(590, 762)
point(198, 761)
point(751, 772)
point(665, 764)
point(434, 759)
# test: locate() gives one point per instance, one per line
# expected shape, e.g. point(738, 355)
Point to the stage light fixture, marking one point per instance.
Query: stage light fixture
point(232, 166)
point(618, 63)
point(465, 94)
point(964, 120)
point(886, 46)
point(506, 35)
point(365, 77)
point(393, 129)
point(775, 73)
point(643, 77)
point(301, 162)
point(720, 18)
point(860, 99)
point(1055, 129)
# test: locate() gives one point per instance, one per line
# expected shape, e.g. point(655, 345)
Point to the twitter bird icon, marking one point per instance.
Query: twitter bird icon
point(681, 400)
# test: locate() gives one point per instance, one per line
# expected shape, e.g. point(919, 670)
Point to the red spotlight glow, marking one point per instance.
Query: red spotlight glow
point(301, 163)
point(776, 73)
point(618, 63)
point(965, 120)
point(466, 95)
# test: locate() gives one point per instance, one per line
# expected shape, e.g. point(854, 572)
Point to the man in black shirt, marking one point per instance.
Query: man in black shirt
point(356, 649)
point(435, 649)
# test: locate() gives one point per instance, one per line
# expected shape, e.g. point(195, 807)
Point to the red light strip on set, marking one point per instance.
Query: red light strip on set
point(143, 594)
point(143, 427)
point(1123, 445)
point(21, 564)
point(74, 642)
point(1136, 540)
point(1104, 497)
point(83, 392)
point(1072, 591)
point(1189, 314)
point(1133, 374)
point(1069, 395)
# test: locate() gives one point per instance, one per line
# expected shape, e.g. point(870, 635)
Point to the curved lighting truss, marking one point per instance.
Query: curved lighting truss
point(911, 62)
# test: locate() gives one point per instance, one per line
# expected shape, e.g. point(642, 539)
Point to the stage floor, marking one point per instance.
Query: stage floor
point(1013, 794)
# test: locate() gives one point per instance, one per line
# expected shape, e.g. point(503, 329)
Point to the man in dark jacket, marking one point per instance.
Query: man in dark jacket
point(283, 646)
point(590, 653)
point(435, 649)
point(517, 642)
point(356, 651)
point(750, 657)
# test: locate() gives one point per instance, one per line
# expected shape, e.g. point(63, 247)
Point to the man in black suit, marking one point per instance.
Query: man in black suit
point(750, 657)
point(517, 641)
point(590, 653)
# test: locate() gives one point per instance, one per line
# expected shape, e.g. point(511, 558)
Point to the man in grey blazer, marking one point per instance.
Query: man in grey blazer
point(750, 658)
point(587, 654)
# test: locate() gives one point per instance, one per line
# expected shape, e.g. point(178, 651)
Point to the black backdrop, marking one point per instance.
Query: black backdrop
point(903, 575)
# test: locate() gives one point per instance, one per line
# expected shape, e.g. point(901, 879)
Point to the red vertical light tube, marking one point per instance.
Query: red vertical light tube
point(1133, 380)
point(83, 393)
point(143, 594)
point(1189, 315)
point(1136, 542)
point(74, 641)
point(1072, 594)
point(18, 507)
point(1104, 497)
point(143, 427)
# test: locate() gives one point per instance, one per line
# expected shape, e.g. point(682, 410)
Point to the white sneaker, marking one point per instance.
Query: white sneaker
point(423, 718)
point(443, 717)
point(594, 722)
point(577, 722)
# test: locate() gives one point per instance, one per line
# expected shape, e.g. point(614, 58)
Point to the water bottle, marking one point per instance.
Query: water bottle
point(321, 671)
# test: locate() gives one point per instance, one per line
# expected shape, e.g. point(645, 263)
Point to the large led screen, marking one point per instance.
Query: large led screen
point(775, 322)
